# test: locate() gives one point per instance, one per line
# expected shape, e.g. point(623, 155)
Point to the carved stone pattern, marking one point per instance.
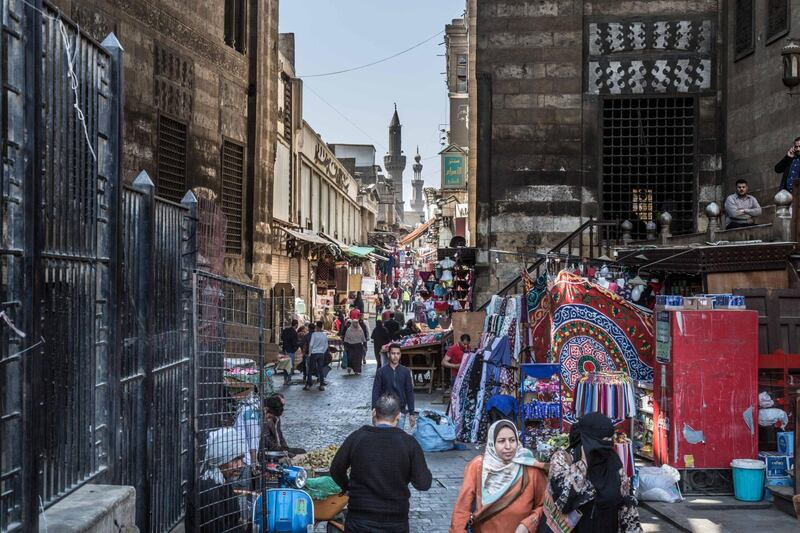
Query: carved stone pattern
point(744, 27)
point(649, 76)
point(232, 95)
point(94, 22)
point(162, 21)
point(668, 35)
point(174, 83)
point(777, 18)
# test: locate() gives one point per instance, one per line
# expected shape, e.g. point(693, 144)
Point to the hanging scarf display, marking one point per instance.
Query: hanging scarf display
point(538, 307)
point(610, 393)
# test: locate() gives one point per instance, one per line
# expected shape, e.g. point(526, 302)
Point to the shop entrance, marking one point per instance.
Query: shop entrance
point(649, 161)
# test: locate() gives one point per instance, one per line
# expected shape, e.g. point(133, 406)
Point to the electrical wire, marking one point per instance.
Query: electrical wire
point(334, 73)
point(345, 117)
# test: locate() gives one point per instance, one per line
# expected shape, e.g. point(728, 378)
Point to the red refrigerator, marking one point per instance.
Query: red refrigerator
point(705, 384)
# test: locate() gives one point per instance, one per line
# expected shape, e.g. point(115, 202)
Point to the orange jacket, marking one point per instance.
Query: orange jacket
point(525, 508)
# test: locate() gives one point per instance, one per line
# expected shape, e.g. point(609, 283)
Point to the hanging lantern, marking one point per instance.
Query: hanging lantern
point(791, 64)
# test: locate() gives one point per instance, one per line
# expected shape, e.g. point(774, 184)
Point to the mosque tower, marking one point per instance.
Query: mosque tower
point(417, 202)
point(395, 162)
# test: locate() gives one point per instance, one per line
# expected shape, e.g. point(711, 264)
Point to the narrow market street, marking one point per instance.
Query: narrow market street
point(316, 419)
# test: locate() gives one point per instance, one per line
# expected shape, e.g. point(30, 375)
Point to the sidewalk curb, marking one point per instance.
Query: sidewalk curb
point(665, 517)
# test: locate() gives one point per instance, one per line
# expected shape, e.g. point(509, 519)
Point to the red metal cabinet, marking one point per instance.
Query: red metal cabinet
point(705, 380)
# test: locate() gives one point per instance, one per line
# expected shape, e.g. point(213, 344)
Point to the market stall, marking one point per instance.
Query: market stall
point(422, 354)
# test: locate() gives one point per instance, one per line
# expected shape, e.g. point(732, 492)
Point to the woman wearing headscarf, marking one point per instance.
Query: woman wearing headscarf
point(359, 303)
point(218, 506)
point(587, 490)
point(354, 341)
point(502, 489)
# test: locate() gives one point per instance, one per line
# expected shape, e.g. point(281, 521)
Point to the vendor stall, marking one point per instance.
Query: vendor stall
point(422, 354)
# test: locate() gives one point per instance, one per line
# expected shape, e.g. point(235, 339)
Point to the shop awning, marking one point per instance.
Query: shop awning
point(342, 246)
point(411, 237)
point(360, 251)
point(377, 257)
point(307, 237)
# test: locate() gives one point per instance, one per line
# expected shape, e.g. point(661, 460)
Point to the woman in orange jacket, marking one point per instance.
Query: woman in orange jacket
point(503, 489)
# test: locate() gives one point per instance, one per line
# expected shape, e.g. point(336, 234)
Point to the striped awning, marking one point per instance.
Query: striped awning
point(411, 237)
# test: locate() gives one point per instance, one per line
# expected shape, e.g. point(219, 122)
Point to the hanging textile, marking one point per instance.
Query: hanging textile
point(538, 306)
point(593, 329)
point(610, 393)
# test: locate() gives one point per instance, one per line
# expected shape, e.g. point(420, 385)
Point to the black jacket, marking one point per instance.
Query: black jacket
point(382, 462)
point(784, 166)
point(380, 336)
point(397, 381)
point(392, 326)
point(289, 340)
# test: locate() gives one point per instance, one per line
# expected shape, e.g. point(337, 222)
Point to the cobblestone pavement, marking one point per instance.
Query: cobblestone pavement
point(314, 419)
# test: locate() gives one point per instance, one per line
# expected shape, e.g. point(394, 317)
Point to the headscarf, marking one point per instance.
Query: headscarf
point(498, 476)
point(354, 333)
point(223, 446)
point(595, 434)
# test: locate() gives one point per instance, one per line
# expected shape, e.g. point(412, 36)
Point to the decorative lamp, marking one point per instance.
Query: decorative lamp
point(791, 64)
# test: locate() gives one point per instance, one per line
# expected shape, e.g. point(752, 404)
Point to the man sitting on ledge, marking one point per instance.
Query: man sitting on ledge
point(741, 208)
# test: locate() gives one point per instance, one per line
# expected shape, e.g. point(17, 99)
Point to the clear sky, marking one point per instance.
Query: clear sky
point(332, 35)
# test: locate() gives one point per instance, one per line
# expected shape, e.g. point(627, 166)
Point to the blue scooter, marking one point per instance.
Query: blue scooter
point(283, 507)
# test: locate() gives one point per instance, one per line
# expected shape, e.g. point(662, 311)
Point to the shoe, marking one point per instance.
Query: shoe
point(322, 388)
point(307, 387)
point(357, 373)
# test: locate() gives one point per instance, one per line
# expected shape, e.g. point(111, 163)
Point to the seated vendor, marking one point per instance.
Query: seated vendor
point(455, 354)
point(217, 504)
point(272, 439)
point(410, 329)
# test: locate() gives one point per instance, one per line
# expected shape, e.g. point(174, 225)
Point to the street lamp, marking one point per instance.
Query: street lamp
point(791, 64)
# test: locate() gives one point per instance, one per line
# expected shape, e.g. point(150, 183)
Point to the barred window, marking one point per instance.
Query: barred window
point(232, 194)
point(236, 25)
point(648, 161)
point(744, 28)
point(171, 182)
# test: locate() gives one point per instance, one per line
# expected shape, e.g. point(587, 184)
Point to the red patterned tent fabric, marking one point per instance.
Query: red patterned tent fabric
point(594, 329)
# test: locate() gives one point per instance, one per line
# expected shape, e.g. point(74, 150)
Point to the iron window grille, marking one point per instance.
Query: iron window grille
point(171, 183)
point(778, 16)
point(744, 28)
point(236, 25)
point(649, 161)
point(232, 194)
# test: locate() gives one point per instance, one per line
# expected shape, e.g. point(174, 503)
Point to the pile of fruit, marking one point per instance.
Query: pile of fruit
point(317, 459)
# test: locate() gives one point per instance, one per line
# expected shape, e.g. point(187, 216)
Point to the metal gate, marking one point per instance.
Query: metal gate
point(154, 447)
point(230, 385)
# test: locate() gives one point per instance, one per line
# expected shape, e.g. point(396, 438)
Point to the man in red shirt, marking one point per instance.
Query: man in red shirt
point(452, 359)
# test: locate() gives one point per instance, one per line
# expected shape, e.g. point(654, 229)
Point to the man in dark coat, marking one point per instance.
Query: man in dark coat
point(380, 337)
point(789, 167)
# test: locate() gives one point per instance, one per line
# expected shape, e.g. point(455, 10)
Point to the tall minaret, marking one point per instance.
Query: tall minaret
point(417, 203)
point(395, 161)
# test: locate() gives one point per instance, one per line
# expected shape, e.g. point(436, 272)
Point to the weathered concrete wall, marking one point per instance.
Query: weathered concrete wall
point(93, 509)
point(762, 119)
point(204, 83)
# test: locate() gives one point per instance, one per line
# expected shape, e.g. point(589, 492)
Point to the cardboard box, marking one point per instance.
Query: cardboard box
point(786, 443)
point(778, 464)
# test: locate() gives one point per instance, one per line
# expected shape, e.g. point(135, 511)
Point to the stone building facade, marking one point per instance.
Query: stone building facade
point(199, 107)
point(618, 109)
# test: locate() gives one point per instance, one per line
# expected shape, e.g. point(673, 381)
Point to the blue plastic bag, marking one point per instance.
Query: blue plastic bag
point(435, 431)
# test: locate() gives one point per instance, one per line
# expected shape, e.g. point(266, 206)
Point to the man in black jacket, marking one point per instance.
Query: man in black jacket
point(395, 379)
point(789, 166)
point(392, 326)
point(382, 460)
point(289, 346)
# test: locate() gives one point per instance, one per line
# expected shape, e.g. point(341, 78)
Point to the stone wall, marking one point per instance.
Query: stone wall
point(542, 70)
point(762, 119)
point(177, 64)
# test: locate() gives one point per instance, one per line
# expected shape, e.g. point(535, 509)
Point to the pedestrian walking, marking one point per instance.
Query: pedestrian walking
point(392, 326)
point(317, 347)
point(359, 302)
point(406, 300)
point(789, 167)
point(503, 489)
point(289, 346)
point(396, 379)
point(365, 329)
point(383, 461)
point(354, 341)
point(380, 337)
point(588, 490)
